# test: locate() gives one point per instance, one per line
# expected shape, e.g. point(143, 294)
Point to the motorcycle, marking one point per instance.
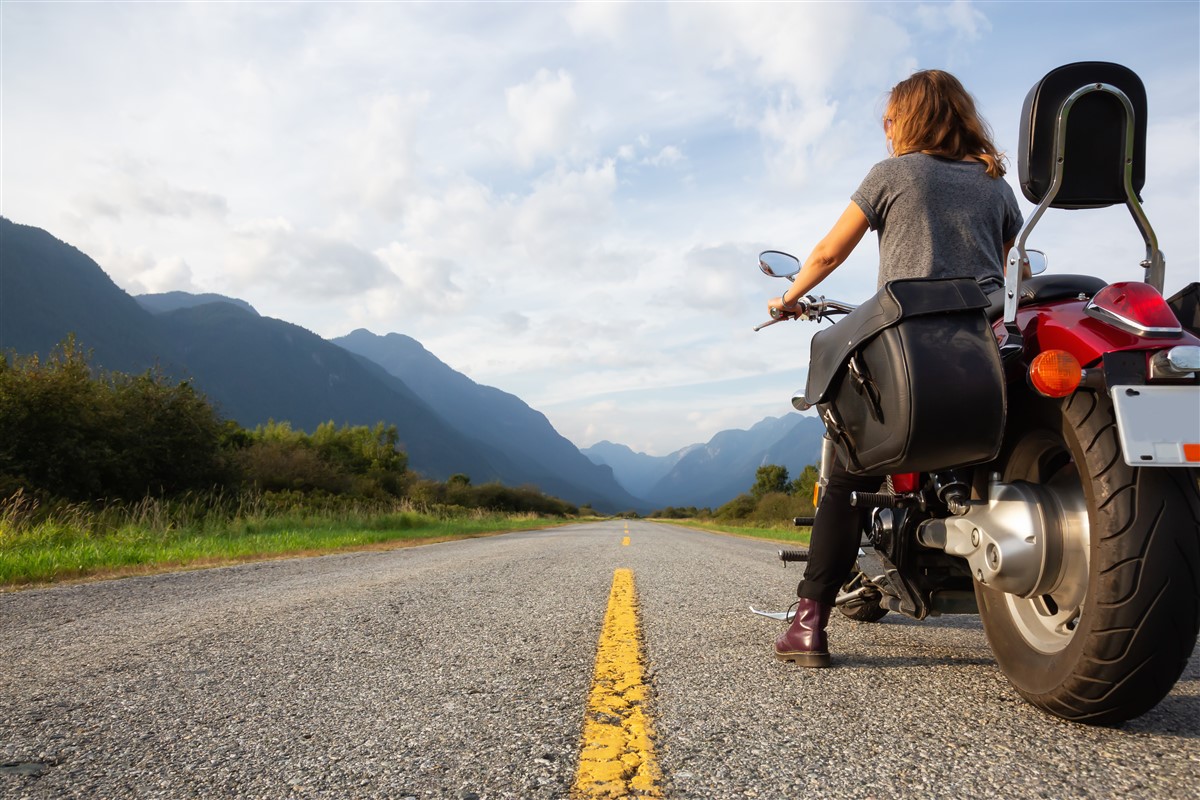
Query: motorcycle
point(1042, 473)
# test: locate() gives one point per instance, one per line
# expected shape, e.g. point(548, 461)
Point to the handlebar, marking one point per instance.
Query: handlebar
point(810, 308)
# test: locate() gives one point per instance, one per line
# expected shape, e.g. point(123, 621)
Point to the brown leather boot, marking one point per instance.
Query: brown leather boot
point(804, 642)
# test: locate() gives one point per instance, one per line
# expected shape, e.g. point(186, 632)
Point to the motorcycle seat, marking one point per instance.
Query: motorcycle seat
point(1044, 288)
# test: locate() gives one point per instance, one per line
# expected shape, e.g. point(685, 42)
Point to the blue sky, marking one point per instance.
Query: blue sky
point(563, 200)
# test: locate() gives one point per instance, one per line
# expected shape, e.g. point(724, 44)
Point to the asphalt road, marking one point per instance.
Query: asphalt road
point(461, 670)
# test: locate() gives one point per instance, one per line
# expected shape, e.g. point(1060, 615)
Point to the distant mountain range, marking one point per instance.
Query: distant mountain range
point(708, 475)
point(255, 369)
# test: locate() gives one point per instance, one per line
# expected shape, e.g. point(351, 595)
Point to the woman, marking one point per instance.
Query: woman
point(942, 210)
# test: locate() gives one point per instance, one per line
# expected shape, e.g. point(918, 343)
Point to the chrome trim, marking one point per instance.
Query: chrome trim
point(1181, 360)
point(1176, 362)
point(1128, 325)
point(1022, 540)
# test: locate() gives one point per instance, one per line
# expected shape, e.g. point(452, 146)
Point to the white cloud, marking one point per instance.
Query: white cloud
point(137, 188)
point(551, 221)
point(667, 156)
point(543, 112)
point(607, 20)
point(142, 272)
point(384, 151)
point(273, 255)
point(960, 17)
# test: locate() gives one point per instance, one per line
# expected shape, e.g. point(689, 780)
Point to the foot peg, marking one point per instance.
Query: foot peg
point(883, 500)
point(793, 555)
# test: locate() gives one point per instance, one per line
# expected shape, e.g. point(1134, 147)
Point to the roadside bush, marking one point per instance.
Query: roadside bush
point(740, 507)
point(673, 512)
point(778, 507)
point(772, 499)
point(458, 493)
point(280, 466)
point(68, 434)
point(75, 439)
point(354, 460)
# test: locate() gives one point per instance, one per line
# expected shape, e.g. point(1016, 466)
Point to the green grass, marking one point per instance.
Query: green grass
point(785, 532)
point(75, 545)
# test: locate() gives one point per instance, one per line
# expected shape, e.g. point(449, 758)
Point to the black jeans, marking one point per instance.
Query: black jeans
point(836, 534)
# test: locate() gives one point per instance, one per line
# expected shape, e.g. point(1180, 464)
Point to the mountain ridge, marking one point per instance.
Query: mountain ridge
point(711, 474)
point(255, 368)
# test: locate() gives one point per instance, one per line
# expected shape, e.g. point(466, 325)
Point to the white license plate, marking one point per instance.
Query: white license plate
point(1159, 426)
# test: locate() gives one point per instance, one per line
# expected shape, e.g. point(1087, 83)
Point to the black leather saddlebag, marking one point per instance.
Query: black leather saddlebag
point(911, 381)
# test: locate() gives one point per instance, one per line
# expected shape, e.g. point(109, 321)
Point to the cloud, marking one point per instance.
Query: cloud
point(796, 129)
point(271, 254)
point(543, 112)
point(668, 156)
point(139, 271)
point(138, 188)
point(606, 20)
point(799, 58)
point(384, 151)
point(424, 280)
point(960, 18)
point(553, 221)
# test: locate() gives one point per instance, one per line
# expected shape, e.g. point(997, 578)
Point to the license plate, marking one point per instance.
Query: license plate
point(1159, 426)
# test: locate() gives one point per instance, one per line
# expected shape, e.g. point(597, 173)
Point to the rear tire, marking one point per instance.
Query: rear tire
point(1113, 636)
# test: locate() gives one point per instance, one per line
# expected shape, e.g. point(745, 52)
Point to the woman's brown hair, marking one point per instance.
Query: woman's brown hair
point(930, 112)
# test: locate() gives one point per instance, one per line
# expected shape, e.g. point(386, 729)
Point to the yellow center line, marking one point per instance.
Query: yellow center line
point(617, 758)
point(625, 541)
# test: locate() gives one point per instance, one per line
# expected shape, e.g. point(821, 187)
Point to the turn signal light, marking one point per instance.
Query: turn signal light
point(1136, 308)
point(1055, 373)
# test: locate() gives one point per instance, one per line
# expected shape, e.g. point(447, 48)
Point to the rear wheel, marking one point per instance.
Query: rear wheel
point(1114, 632)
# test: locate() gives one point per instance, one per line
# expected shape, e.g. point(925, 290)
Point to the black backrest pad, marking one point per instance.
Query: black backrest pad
point(1093, 167)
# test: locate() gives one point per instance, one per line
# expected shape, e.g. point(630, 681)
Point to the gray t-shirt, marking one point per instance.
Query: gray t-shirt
point(938, 218)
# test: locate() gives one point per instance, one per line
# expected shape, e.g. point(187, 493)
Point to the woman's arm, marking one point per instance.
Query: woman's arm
point(830, 252)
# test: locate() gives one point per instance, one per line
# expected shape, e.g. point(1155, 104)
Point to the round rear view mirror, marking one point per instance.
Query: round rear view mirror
point(778, 264)
point(1037, 261)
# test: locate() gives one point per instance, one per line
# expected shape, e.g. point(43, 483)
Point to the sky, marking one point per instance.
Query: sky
point(562, 200)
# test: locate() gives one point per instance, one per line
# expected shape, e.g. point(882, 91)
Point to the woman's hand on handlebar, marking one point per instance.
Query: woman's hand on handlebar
point(778, 310)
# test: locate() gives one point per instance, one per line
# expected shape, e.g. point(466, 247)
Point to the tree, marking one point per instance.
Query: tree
point(804, 483)
point(70, 434)
point(768, 479)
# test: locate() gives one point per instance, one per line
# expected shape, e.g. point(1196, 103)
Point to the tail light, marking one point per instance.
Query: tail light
point(1055, 373)
point(1136, 308)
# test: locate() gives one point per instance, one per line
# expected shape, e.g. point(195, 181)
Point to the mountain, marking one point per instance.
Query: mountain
point(49, 289)
point(255, 368)
point(173, 301)
point(537, 452)
point(712, 474)
point(636, 472)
